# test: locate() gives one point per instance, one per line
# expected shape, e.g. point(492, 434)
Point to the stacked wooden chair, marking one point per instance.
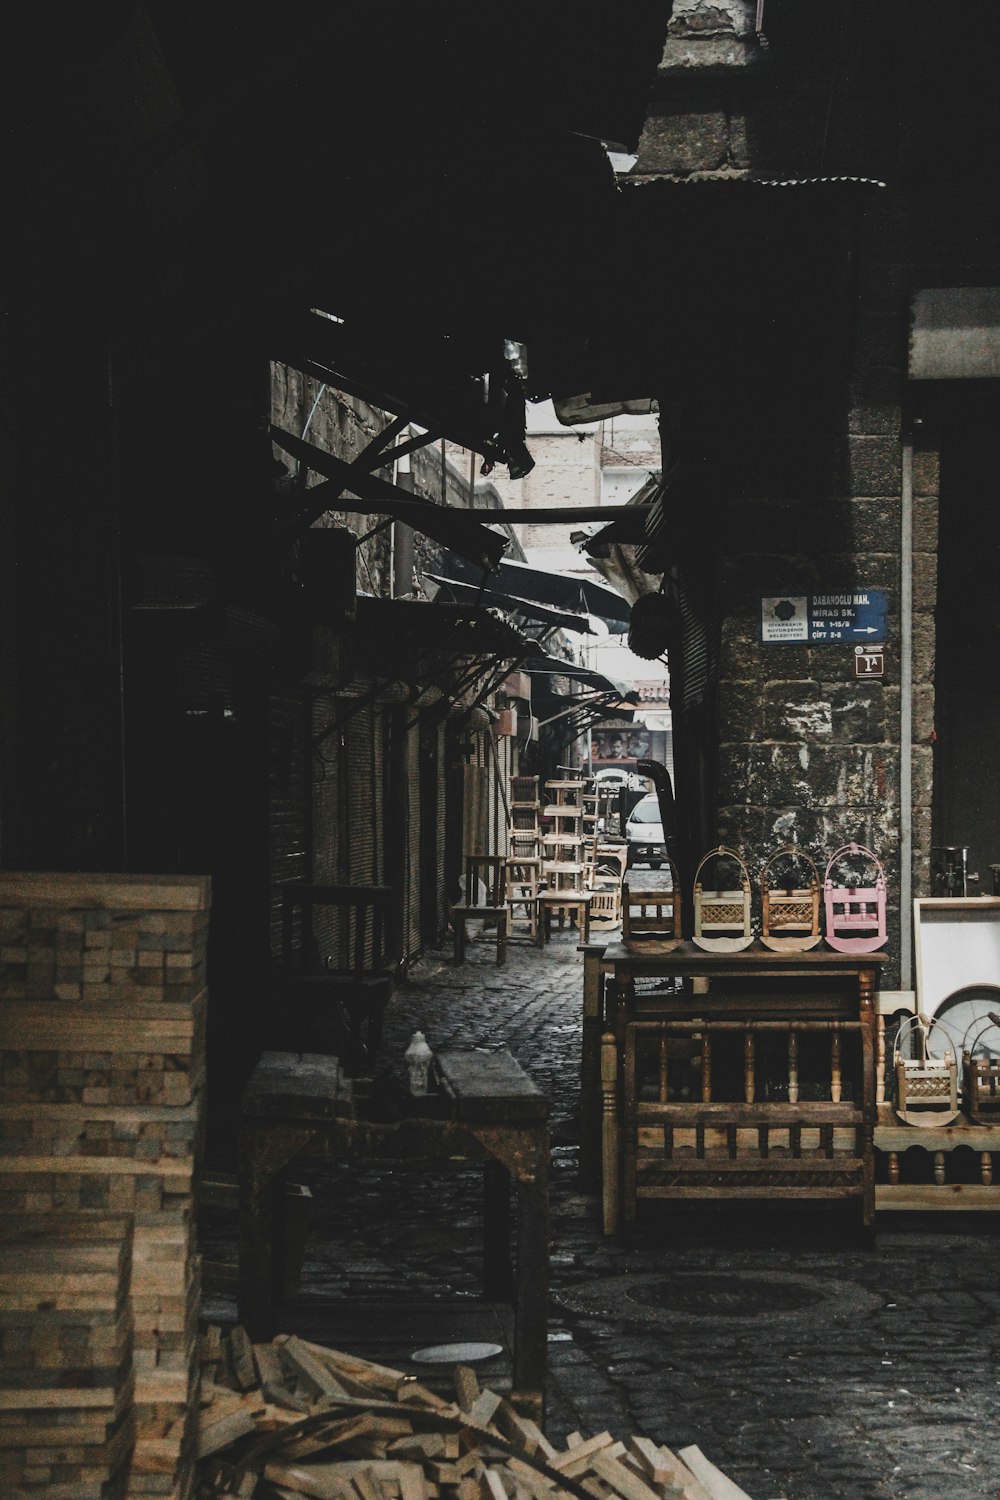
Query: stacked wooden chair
point(563, 864)
point(525, 831)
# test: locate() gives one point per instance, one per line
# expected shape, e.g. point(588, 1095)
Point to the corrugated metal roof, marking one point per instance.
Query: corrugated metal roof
point(732, 175)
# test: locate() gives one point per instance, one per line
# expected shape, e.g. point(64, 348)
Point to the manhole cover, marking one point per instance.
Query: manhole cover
point(730, 1297)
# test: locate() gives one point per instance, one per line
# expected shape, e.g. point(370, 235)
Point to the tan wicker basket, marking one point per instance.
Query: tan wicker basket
point(653, 914)
point(722, 917)
point(790, 914)
point(926, 1087)
point(981, 1072)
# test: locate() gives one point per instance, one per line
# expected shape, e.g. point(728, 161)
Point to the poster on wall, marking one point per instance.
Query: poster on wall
point(618, 744)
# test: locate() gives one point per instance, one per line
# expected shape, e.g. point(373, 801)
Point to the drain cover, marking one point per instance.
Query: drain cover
point(733, 1297)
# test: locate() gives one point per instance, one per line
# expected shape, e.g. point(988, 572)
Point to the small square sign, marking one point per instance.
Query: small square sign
point(869, 661)
point(785, 617)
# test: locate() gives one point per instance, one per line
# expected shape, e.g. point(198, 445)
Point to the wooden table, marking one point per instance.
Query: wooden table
point(743, 1147)
point(595, 971)
point(487, 1110)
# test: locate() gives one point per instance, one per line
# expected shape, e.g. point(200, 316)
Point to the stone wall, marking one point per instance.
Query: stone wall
point(339, 424)
point(812, 500)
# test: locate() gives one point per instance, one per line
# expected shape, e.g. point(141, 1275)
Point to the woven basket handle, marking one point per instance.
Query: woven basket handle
point(853, 848)
point(980, 1024)
point(722, 852)
point(794, 853)
point(926, 1024)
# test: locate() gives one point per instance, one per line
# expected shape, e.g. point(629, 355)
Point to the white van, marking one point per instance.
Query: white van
point(644, 833)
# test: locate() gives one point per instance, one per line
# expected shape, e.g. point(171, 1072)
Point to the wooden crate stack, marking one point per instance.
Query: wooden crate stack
point(67, 1421)
point(102, 1068)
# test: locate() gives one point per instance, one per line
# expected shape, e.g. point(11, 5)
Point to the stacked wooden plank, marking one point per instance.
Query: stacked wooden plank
point(66, 1347)
point(102, 1066)
point(315, 1422)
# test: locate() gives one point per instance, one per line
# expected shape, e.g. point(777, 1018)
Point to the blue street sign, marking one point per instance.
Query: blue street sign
point(855, 615)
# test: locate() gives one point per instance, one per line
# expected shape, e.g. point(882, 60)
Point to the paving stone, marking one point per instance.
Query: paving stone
point(883, 1386)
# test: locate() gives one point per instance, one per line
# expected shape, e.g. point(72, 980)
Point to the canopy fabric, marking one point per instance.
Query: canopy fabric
point(469, 593)
point(561, 590)
point(543, 666)
point(435, 625)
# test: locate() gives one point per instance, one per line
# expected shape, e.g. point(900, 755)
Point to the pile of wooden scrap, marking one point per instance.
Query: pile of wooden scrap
point(293, 1419)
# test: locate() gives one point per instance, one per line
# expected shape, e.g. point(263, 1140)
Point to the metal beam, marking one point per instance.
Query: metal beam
point(458, 429)
point(559, 515)
point(453, 528)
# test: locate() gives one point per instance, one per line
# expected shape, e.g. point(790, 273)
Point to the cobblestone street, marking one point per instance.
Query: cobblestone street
point(805, 1362)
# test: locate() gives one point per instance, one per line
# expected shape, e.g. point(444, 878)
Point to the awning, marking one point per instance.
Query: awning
point(423, 654)
point(632, 525)
point(560, 590)
point(545, 667)
point(528, 609)
point(420, 626)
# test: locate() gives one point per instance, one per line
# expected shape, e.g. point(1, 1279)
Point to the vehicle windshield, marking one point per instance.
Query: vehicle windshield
point(645, 812)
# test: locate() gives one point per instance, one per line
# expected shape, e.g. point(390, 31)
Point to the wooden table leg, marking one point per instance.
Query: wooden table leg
point(498, 1269)
point(869, 1028)
point(261, 1259)
point(590, 1070)
point(610, 1192)
point(531, 1296)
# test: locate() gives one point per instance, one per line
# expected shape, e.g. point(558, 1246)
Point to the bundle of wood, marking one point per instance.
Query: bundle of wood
point(102, 1068)
point(66, 1381)
point(294, 1419)
point(73, 936)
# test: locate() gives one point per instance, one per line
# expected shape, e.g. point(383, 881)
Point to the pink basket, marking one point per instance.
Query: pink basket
point(855, 914)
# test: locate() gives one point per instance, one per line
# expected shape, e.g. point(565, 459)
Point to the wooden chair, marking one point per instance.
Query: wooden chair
point(609, 863)
point(566, 902)
point(485, 901)
point(605, 909)
point(334, 982)
point(523, 878)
